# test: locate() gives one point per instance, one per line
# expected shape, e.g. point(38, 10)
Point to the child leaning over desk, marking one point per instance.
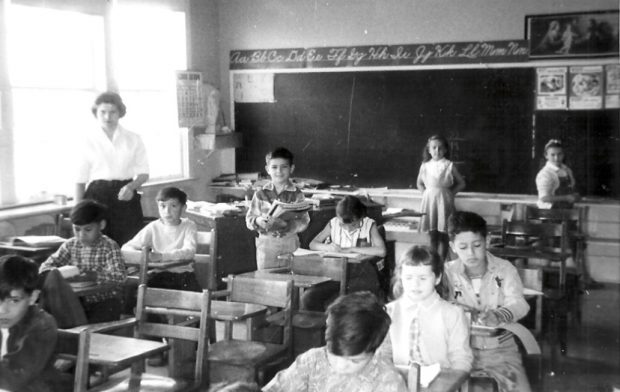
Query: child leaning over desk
point(275, 236)
point(27, 333)
point(491, 289)
point(425, 328)
point(350, 231)
point(96, 256)
point(356, 326)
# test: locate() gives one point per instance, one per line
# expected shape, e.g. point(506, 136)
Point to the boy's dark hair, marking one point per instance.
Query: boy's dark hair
point(171, 193)
point(280, 152)
point(88, 211)
point(461, 221)
point(17, 272)
point(350, 208)
point(415, 256)
point(111, 98)
point(356, 323)
point(426, 156)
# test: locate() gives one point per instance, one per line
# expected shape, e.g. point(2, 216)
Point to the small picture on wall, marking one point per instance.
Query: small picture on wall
point(551, 88)
point(586, 87)
point(583, 34)
point(612, 86)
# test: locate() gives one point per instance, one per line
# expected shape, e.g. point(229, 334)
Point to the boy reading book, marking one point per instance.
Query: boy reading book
point(276, 236)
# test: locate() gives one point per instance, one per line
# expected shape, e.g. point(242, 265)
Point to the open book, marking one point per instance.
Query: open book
point(288, 211)
point(37, 240)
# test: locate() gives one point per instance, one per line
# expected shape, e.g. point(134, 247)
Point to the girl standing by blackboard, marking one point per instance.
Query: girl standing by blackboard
point(555, 182)
point(439, 181)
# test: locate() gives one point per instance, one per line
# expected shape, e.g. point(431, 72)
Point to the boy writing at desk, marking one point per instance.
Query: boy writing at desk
point(275, 236)
point(27, 333)
point(96, 256)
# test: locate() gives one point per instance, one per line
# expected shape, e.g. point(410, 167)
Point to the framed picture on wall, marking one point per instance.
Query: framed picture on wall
point(573, 35)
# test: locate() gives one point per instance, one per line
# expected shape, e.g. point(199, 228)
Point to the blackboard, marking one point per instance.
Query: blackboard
point(368, 129)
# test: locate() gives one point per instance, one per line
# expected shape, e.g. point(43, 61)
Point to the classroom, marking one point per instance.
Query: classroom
point(354, 89)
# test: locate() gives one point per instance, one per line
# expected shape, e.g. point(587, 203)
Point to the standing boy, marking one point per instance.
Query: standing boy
point(96, 256)
point(170, 238)
point(276, 237)
point(27, 333)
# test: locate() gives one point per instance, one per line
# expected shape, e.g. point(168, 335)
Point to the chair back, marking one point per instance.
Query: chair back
point(206, 258)
point(575, 217)
point(540, 236)
point(333, 268)
point(179, 305)
point(75, 347)
point(262, 291)
point(532, 279)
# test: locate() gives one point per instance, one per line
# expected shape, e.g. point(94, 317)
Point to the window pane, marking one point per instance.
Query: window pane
point(149, 46)
point(47, 126)
point(53, 54)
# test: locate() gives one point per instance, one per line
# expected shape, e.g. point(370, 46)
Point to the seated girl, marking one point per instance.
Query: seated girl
point(425, 328)
point(356, 326)
point(351, 231)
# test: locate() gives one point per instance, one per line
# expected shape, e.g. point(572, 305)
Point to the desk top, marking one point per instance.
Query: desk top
point(448, 380)
point(303, 281)
point(234, 311)
point(120, 350)
point(82, 289)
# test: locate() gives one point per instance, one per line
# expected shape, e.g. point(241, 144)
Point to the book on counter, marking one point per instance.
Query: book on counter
point(288, 211)
point(36, 241)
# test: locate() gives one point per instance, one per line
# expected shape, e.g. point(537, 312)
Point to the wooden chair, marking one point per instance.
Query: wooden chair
point(532, 279)
point(187, 314)
point(73, 347)
point(575, 220)
point(206, 257)
point(528, 240)
point(248, 360)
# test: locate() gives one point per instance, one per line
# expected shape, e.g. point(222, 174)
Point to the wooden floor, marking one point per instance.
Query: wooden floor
point(592, 362)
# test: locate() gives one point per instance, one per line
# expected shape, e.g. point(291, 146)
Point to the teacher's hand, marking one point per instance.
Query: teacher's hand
point(125, 194)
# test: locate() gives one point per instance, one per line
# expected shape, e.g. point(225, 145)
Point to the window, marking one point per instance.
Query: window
point(55, 76)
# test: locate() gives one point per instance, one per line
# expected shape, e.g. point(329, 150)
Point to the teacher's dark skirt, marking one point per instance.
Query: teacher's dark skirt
point(125, 218)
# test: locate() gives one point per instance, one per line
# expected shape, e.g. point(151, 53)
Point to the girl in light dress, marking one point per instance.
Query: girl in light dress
point(439, 181)
point(555, 182)
point(443, 327)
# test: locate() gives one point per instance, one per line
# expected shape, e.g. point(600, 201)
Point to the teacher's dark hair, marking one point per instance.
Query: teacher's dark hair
point(111, 98)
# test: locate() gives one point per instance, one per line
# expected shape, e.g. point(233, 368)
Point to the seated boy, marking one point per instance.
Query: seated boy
point(27, 333)
point(356, 325)
point(96, 256)
point(170, 238)
point(275, 236)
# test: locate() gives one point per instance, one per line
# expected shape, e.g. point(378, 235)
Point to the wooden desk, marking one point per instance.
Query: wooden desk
point(37, 253)
point(300, 281)
point(112, 350)
point(84, 290)
point(235, 311)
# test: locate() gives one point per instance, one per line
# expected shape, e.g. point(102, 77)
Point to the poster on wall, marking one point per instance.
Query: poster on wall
point(551, 88)
point(253, 87)
point(190, 99)
point(586, 87)
point(612, 86)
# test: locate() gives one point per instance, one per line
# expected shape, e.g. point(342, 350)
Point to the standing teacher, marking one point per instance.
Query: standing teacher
point(112, 167)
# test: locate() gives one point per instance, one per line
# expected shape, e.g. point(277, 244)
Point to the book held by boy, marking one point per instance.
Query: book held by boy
point(288, 211)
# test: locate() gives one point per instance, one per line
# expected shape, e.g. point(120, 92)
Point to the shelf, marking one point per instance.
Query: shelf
point(221, 141)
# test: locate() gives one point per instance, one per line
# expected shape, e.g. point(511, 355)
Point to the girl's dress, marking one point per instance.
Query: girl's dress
point(555, 181)
point(437, 199)
point(444, 333)
point(500, 288)
point(311, 372)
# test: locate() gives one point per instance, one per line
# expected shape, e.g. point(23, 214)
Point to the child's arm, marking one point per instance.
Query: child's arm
point(377, 248)
point(140, 240)
point(318, 242)
point(459, 351)
point(188, 249)
point(459, 181)
point(514, 307)
point(114, 269)
point(61, 257)
point(31, 358)
point(255, 219)
point(420, 181)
